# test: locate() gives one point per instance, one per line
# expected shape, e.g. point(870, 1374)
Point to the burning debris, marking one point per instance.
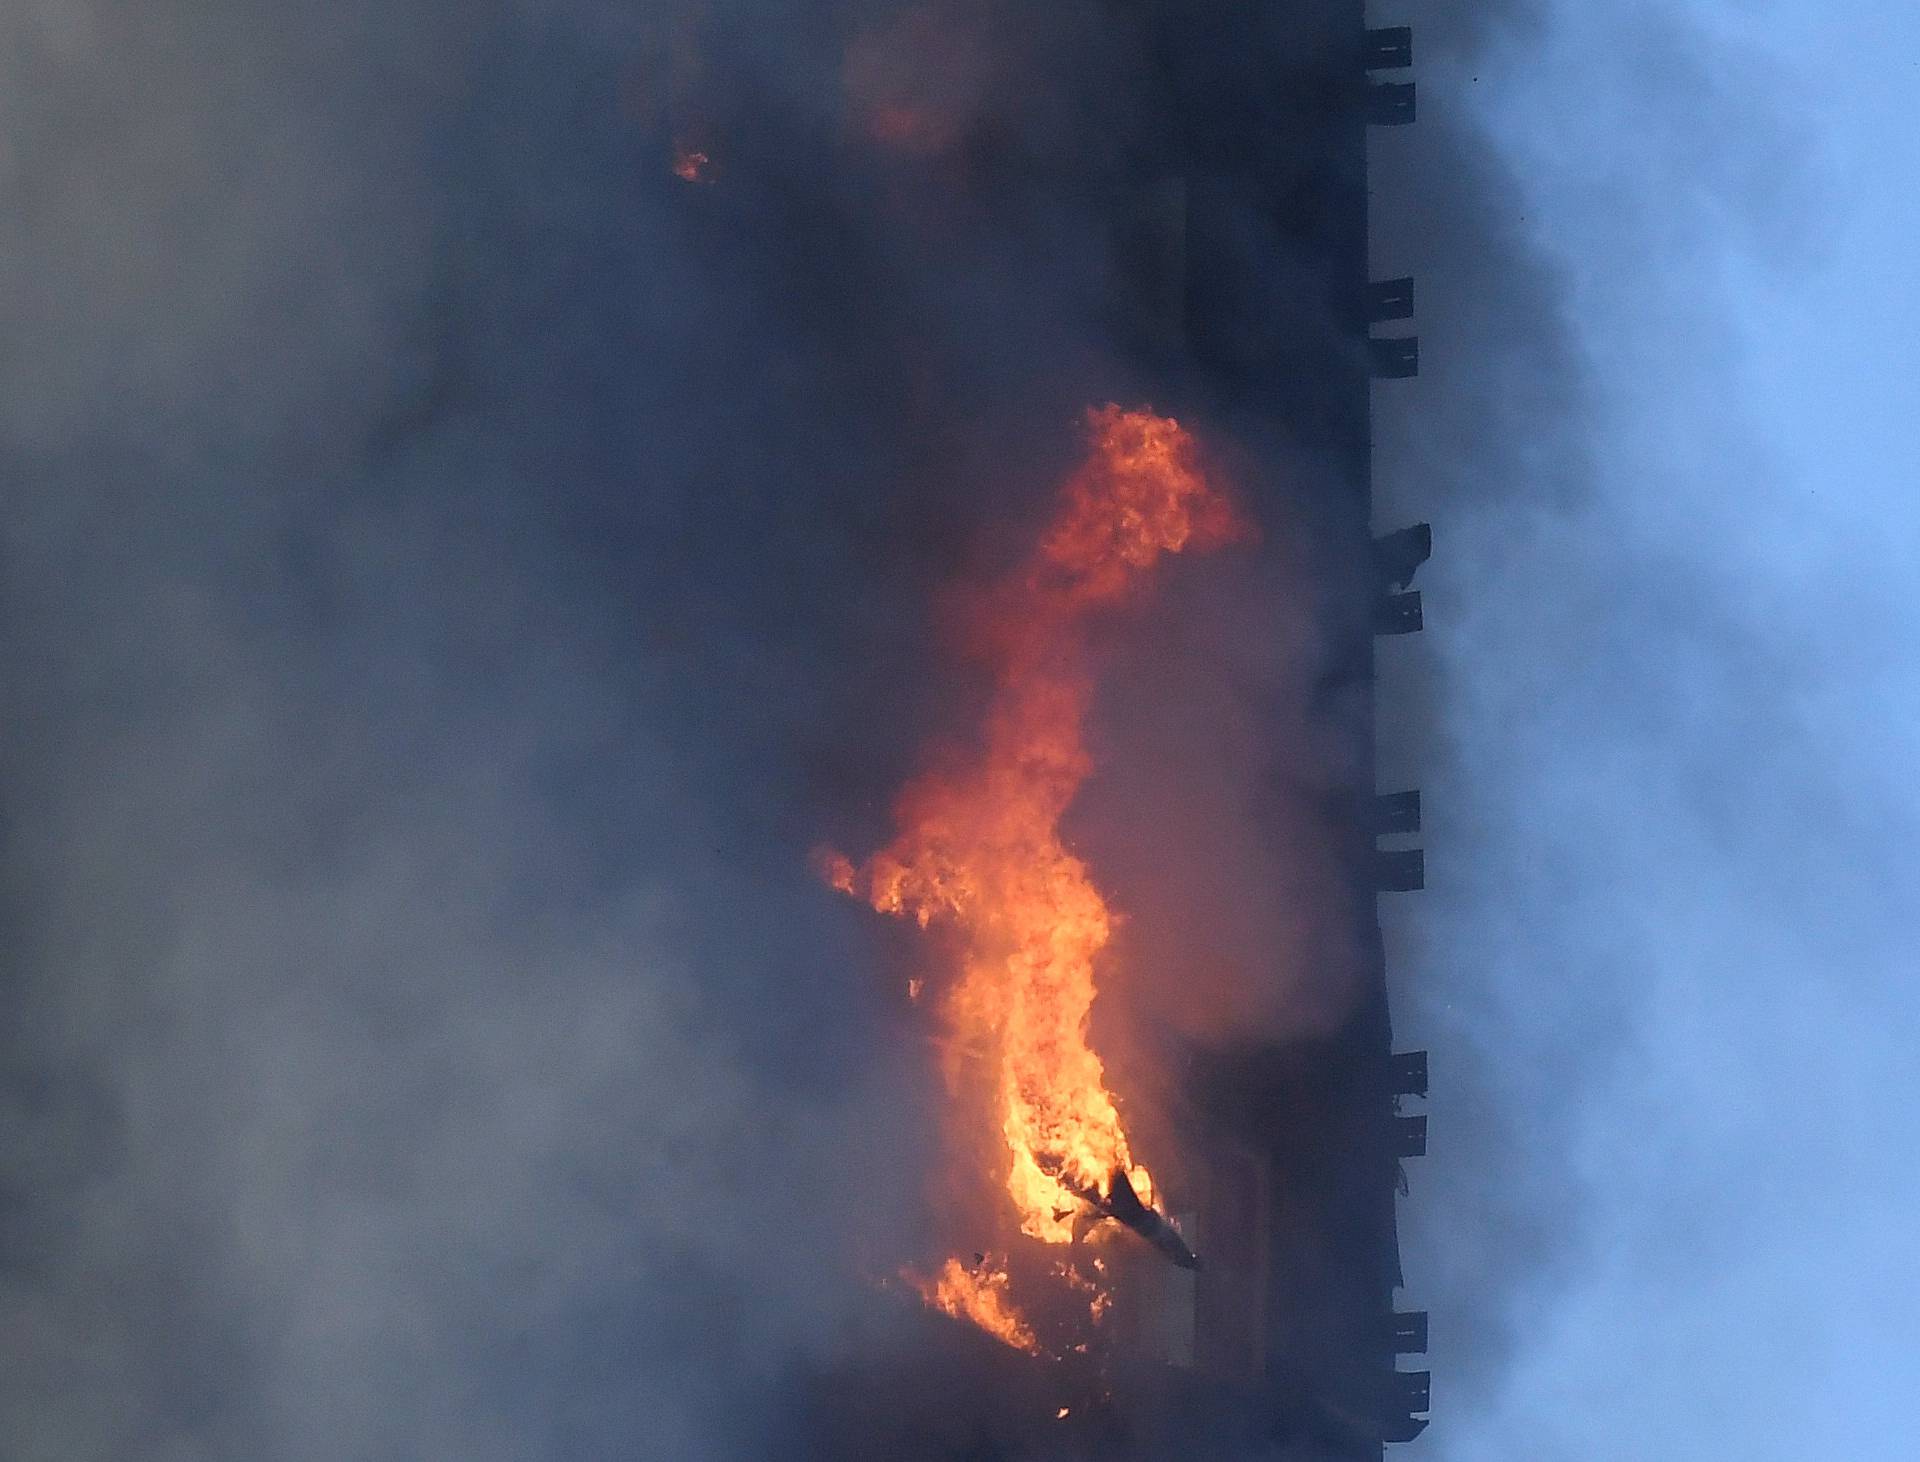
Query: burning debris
point(1121, 1204)
point(980, 847)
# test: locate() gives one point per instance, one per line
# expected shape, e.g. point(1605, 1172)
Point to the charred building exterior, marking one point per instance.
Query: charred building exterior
point(1306, 1143)
point(1242, 296)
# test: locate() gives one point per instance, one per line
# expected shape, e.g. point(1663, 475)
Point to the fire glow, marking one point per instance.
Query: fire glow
point(979, 844)
point(979, 1294)
point(690, 164)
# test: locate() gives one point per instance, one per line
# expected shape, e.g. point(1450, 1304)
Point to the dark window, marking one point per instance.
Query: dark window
point(1390, 103)
point(1389, 299)
point(1389, 46)
point(1396, 812)
point(1396, 358)
point(1410, 1073)
point(1398, 614)
point(1410, 1136)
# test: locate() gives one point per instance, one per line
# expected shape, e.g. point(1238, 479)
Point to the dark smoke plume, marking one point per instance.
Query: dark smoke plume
point(453, 570)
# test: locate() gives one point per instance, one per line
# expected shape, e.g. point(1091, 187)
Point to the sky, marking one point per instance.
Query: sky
point(426, 1036)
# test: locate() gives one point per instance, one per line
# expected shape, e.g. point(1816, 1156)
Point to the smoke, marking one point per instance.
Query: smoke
point(454, 569)
point(1662, 792)
point(424, 1036)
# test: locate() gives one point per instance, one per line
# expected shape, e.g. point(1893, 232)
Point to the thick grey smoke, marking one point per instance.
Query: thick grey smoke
point(423, 1038)
point(453, 571)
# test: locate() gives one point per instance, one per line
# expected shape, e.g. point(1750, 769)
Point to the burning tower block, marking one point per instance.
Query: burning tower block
point(1239, 227)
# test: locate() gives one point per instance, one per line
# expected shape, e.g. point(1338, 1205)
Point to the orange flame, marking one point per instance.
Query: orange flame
point(979, 1295)
point(981, 846)
point(690, 164)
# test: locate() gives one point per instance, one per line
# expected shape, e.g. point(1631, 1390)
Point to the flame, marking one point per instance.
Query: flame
point(690, 164)
point(980, 846)
point(979, 1295)
point(1099, 1300)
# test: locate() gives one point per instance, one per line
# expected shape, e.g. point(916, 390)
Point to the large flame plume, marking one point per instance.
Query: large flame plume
point(980, 845)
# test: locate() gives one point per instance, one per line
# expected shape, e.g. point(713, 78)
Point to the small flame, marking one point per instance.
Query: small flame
point(690, 164)
point(979, 1295)
point(1099, 1300)
point(836, 869)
